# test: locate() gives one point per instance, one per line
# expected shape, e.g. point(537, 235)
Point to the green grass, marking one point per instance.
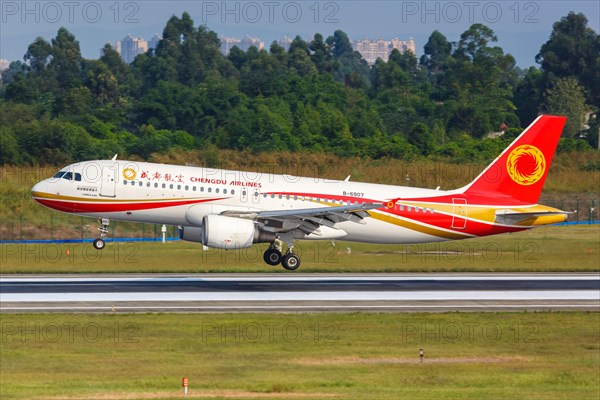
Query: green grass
point(564, 248)
point(350, 356)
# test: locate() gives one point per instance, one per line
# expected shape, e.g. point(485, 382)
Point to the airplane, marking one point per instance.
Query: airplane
point(234, 209)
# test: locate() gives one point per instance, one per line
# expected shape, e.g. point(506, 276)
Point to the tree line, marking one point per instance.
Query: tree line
point(318, 96)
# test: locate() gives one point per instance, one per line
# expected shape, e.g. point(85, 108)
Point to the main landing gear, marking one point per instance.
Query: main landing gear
point(274, 256)
point(99, 243)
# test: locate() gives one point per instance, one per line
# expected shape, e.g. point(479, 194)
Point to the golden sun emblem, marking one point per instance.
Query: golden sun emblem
point(129, 174)
point(526, 164)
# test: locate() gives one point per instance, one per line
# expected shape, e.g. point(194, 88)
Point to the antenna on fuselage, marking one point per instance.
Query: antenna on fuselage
point(114, 158)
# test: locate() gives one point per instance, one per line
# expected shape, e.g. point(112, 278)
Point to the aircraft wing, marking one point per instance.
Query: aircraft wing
point(307, 220)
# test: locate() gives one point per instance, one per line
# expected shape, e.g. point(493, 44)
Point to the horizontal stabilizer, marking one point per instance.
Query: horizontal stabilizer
point(510, 217)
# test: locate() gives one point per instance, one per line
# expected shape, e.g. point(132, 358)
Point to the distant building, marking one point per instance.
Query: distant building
point(249, 41)
point(4, 64)
point(371, 50)
point(285, 42)
point(228, 43)
point(130, 47)
point(153, 43)
point(244, 44)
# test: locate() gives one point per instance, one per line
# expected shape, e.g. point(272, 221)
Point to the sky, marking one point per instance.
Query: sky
point(521, 26)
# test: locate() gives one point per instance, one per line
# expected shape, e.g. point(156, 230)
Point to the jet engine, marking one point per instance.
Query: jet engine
point(228, 233)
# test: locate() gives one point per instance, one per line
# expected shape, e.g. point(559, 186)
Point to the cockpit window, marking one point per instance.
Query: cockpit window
point(76, 176)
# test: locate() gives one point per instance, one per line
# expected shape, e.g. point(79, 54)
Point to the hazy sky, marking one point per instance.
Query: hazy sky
point(521, 26)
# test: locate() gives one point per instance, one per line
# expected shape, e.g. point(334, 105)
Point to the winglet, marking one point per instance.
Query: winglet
point(520, 170)
point(114, 157)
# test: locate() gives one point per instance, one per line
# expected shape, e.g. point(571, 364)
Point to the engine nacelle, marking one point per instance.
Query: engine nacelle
point(190, 234)
point(232, 233)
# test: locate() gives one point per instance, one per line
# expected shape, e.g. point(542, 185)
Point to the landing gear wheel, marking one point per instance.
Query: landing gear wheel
point(99, 244)
point(290, 262)
point(272, 257)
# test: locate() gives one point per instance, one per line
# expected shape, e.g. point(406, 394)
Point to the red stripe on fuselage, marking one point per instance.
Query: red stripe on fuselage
point(71, 206)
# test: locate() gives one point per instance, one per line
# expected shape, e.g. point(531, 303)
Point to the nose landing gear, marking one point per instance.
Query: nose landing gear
point(99, 243)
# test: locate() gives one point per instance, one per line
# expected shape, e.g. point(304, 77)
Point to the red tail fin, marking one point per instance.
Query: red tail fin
point(521, 170)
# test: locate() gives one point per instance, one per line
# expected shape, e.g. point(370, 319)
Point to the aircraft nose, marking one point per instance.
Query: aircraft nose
point(38, 188)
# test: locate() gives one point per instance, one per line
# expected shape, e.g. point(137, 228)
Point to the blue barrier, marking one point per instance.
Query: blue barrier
point(577, 223)
point(63, 241)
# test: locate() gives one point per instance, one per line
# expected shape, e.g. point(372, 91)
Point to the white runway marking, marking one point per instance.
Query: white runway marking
point(305, 307)
point(312, 278)
point(307, 296)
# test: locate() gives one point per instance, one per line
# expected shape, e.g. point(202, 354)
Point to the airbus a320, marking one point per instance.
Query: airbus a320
point(235, 209)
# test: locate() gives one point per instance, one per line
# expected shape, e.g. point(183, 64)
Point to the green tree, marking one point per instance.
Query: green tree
point(566, 97)
point(573, 50)
point(351, 68)
point(528, 95)
point(436, 51)
point(66, 60)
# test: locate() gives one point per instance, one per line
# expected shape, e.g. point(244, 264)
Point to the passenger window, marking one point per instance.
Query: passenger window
point(224, 191)
point(155, 184)
point(178, 187)
point(217, 190)
point(164, 185)
point(232, 191)
point(193, 188)
point(209, 190)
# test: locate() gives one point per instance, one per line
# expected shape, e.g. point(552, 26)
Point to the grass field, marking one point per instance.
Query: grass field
point(564, 248)
point(312, 356)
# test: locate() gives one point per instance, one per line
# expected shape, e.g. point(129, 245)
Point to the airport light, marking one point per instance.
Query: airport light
point(184, 384)
point(421, 354)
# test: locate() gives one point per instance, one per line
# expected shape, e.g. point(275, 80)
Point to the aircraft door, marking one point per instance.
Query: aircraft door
point(459, 211)
point(109, 181)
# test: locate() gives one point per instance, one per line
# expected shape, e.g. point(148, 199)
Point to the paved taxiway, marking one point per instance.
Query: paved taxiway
point(298, 292)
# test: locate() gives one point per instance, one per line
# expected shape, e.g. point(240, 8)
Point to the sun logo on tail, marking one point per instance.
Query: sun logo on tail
point(526, 165)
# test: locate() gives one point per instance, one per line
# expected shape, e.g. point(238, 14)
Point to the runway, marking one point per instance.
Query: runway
point(298, 292)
